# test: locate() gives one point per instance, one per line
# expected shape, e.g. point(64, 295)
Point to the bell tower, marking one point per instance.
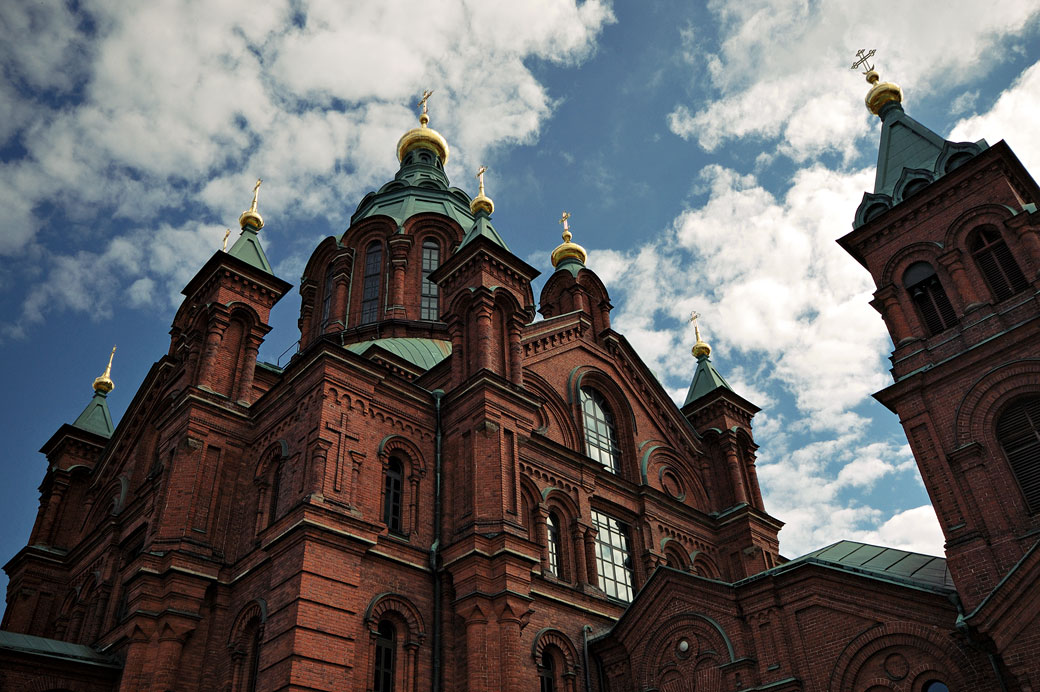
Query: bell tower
point(950, 237)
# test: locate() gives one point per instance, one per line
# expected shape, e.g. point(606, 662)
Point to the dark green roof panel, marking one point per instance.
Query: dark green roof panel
point(424, 353)
point(96, 417)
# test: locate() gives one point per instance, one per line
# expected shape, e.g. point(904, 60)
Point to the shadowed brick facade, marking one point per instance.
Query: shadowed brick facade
point(439, 492)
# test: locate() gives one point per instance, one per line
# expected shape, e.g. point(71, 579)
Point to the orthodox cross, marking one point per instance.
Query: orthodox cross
point(864, 55)
point(256, 191)
point(480, 177)
point(226, 234)
point(425, 97)
point(694, 316)
point(563, 220)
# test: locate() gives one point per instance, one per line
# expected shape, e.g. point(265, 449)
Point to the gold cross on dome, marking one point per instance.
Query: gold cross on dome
point(226, 234)
point(256, 191)
point(563, 220)
point(480, 177)
point(864, 55)
point(425, 97)
point(694, 316)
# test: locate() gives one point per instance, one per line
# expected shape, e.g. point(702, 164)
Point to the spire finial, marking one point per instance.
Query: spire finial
point(104, 384)
point(423, 136)
point(567, 249)
point(700, 348)
point(424, 117)
point(251, 217)
point(482, 201)
point(879, 94)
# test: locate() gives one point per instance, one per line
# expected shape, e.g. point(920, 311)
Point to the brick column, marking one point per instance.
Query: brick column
point(540, 515)
point(589, 539)
point(961, 283)
point(581, 564)
point(733, 464)
point(245, 380)
point(886, 303)
point(214, 335)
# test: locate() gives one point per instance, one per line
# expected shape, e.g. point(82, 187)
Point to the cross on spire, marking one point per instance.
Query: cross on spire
point(864, 55)
point(480, 177)
point(425, 97)
point(256, 191)
point(566, 227)
point(227, 233)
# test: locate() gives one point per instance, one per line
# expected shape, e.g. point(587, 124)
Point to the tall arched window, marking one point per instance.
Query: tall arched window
point(429, 304)
point(600, 431)
point(1018, 432)
point(392, 488)
point(386, 645)
point(552, 538)
point(547, 673)
point(935, 686)
point(370, 283)
point(276, 482)
point(326, 300)
point(996, 264)
point(928, 295)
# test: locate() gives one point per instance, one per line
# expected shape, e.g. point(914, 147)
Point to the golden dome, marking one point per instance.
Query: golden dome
point(104, 384)
point(423, 137)
point(482, 202)
point(567, 249)
point(700, 348)
point(251, 217)
point(880, 94)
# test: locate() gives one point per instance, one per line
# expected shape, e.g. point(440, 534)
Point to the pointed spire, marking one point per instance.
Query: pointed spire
point(706, 378)
point(251, 217)
point(96, 417)
point(482, 202)
point(423, 136)
point(567, 252)
point(104, 383)
point(247, 248)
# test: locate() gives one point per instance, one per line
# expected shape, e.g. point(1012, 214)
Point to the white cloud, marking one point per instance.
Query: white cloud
point(175, 108)
point(1013, 116)
point(781, 72)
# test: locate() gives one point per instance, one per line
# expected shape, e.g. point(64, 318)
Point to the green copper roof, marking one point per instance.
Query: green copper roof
point(419, 187)
point(482, 227)
point(926, 570)
point(247, 248)
point(424, 353)
point(905, 143)
point(53, 648)
point(96, 417)
point(706, 379)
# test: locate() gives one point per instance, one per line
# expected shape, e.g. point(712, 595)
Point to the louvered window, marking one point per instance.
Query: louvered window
point(930, 298)
point(997, 265)
point(1018, 432)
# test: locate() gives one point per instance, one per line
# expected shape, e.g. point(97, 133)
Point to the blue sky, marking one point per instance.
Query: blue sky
point(709, 154)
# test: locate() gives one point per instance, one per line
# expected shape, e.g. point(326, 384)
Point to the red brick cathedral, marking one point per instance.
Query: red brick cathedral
point(439, 492)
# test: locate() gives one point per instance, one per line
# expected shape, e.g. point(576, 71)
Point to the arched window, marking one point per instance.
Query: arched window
point(392, 485)
point(928, 295)
point(547, 673)
point(276, 483)
point(552, 539)
point(386, 645)
point(326, 300)
point(600, 431)
point(370, 283)
point(1018, 432)
point(996, 264)
point(429, 305)
point(935, 686)
point(253, 655)
point(613, 556)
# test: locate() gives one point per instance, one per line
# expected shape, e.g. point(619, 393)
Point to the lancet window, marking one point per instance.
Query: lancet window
point(429, 303)
point(370, 282)
point(600, 431)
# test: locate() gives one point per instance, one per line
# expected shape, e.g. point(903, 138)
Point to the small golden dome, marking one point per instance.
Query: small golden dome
point(700, 348)
point(881, 93)
point(567, 249)
point(423, 137)
point(104, 384)
point(251, 217)
point(482, 202)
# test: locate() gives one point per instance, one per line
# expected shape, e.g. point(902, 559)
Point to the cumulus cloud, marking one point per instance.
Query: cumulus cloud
point(172, 109)
point(781, 73)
